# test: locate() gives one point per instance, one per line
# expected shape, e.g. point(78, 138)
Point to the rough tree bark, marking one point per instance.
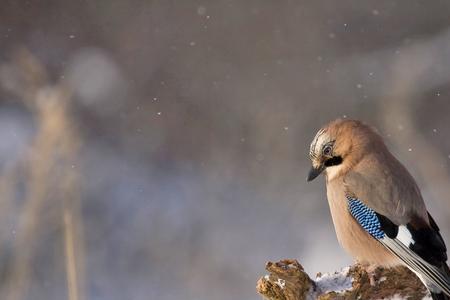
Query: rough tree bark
point(287, 280)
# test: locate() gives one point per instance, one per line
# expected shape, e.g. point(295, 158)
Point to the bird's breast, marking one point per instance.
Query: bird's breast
point(352, 237)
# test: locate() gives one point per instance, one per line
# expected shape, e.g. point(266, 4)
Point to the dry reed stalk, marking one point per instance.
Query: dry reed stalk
point(51, 179)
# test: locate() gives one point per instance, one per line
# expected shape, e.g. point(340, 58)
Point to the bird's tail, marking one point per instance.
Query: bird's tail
point(445, 269)
point(441, 295)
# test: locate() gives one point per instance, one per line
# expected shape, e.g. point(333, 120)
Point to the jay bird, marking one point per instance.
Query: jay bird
point(377, 209)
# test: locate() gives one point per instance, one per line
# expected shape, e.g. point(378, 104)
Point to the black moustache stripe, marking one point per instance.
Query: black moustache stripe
point(334, 161)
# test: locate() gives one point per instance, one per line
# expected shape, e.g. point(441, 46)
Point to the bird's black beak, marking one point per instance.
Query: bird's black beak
point(314, 172)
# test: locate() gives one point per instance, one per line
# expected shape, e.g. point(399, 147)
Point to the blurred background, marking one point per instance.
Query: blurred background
point(159, 149)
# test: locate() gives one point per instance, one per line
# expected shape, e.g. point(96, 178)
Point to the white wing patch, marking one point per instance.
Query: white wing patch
point(405, 236)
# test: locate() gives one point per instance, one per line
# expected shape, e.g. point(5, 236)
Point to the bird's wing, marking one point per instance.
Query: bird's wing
point(386, 186)
point(418, 245)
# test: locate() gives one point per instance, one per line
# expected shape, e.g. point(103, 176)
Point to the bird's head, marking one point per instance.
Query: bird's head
point(339, 145)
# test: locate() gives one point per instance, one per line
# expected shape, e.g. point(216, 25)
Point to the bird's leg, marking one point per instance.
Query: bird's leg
point(371, 272)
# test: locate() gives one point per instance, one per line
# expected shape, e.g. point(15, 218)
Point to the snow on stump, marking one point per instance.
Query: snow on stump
point(287, 280)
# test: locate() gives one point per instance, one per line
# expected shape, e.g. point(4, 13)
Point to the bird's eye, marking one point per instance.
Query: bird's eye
point(327, 150)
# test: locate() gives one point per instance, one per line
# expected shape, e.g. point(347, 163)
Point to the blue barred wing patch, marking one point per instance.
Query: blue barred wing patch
point(366, 217)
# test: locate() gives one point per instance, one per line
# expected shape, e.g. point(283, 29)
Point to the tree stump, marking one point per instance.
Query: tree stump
point(287, 280)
